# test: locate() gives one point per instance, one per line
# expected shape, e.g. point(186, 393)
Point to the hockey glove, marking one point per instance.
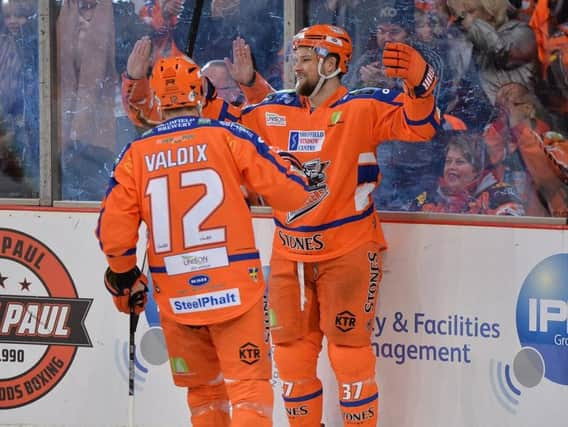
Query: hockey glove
point(405, 62)
point(128, 289)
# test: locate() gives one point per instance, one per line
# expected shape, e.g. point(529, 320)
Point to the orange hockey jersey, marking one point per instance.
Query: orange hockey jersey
point(336, 143)
point(182, 179)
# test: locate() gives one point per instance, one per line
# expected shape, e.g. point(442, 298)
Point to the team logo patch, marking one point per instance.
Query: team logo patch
point(335, 118)
point(253, 273)
point(273, 119)
point(179, 365)
point(199, 280)
point(345, 321)
point(249, 353)
point(41, 319)
point(315, 171)
point(306, 140)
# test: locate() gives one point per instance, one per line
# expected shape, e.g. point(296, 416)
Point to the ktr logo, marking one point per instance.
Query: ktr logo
point(249, 353)
point(345, 321)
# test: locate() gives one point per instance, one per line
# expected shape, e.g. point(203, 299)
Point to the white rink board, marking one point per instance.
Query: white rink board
point(440, 271)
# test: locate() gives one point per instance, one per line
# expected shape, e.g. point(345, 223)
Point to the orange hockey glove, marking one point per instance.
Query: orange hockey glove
point(128, 289)
point(405, 62)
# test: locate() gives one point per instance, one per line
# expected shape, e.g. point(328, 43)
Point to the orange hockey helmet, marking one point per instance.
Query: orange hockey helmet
point(325, 40)
point(176, 82)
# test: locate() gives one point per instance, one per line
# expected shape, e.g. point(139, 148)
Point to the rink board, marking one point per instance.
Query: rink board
point(463, 312)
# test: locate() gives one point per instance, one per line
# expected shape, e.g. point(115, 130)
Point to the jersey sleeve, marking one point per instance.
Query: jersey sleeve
point(137, 102)
point(119, 217)
point(258, 91)
point(401, 117)
point(265, 172)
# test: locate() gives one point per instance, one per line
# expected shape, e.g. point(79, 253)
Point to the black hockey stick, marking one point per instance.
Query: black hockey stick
point(131, 354)
point(133, 323)
point(194, 26)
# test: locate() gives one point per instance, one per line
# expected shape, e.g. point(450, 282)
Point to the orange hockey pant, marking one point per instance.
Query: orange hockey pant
point(222, 362)
point(336, 298)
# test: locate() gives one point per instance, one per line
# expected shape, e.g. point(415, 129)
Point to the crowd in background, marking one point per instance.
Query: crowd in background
point(502, 92)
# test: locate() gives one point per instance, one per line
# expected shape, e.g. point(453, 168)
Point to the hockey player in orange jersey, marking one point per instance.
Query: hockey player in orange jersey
point(182, 179)
point(326, 259)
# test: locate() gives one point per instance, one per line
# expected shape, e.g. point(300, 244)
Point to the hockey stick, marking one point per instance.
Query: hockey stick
point(133, 323)
point(192, 36)
point(131, 354)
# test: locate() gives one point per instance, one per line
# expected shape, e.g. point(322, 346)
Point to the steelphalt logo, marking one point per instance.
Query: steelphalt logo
point(41, 319)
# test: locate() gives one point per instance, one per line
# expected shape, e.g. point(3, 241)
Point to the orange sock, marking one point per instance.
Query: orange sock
point(354, 369)
point(209, 406)
point(301, 389)
point(359, 402)
point(303, 402)
point(252, 402)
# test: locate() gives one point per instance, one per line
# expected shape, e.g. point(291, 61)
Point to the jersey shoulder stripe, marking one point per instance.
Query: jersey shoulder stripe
point(287, 97)
point(387, 96)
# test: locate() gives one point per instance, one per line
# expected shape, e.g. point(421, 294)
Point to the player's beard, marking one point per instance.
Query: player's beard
point(305, 87)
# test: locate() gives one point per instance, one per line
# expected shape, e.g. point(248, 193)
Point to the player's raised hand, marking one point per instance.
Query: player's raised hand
point(405, 62)
point(139, 60)
point(242, 67)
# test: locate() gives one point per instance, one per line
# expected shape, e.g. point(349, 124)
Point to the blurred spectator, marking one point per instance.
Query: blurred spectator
point(163, 16)
point(87, 85)
point(549, 23)
point(504, 49)
point(12, 183)
point(129, 27)
point(393, 22)
point(429, 27)
point(466, 186)
point(223, 20)
point(518, 153)
point(355, 16)
point(521, 10)
point(20, 100)
point(217, 72)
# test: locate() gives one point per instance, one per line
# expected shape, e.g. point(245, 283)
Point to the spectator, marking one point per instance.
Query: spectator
point(224, 20)
point(163, 16)
point(356, 16)
point(21, 104)
point(550, 25)
point(429, 27)
point(518, 154)
point(12, 183)
point(394, 22)
point(92, 36)
point(504, 49)
point(87, 84)
point(466, 186)
point(227, 88)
